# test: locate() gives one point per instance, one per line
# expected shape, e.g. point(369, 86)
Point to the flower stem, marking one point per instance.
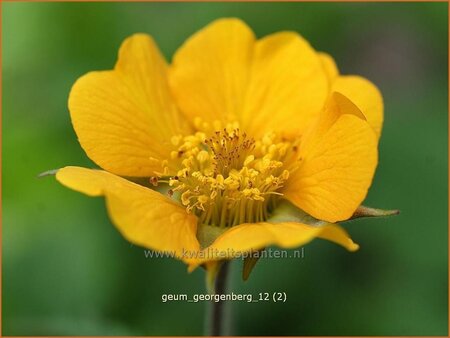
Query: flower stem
point(217, 314)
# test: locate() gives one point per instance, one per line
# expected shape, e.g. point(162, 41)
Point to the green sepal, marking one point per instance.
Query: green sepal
point(287, 212)
point(207, 234)
point(363, 212)
point(48, 173)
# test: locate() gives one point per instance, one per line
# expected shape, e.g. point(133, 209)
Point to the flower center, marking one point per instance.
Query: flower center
point(229, 178)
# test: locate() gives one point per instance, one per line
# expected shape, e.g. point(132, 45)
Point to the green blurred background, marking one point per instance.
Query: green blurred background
point(67, 271)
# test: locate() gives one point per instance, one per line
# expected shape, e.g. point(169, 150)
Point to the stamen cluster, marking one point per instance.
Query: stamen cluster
point(229, 178)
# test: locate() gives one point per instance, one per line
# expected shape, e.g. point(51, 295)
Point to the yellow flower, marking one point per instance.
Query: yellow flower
point(234, 126)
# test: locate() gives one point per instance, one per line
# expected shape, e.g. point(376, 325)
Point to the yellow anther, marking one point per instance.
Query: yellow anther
point(249, 159)
point(284, 175)
point(269, 180)
point(253, 193)
point(244, 172)
point(188, 162)
point(220, 179)
point(209, 171)
point(213, 194)
point(185, 197)
point(203, 156)
point(247, 192)
point(273, 148)
point(231, 183)
point(203, 199)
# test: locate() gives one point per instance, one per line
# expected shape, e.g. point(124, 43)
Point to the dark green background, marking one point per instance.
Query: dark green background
point(67, 271)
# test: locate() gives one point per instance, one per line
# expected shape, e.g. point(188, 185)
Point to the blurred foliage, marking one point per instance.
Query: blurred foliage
point(67, 271)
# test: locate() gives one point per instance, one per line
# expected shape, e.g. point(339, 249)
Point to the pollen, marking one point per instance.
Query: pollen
point(228, 178)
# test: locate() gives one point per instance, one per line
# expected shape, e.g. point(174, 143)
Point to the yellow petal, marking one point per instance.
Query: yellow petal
point(336, 106)
point(248, 237)
point(288, 85)
point(365, 95)
point(124, 118)
point(359, 90)
point(210, 71)
point(143, 216)
point(221, 73)
point(330, 67)
point(338, 158)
